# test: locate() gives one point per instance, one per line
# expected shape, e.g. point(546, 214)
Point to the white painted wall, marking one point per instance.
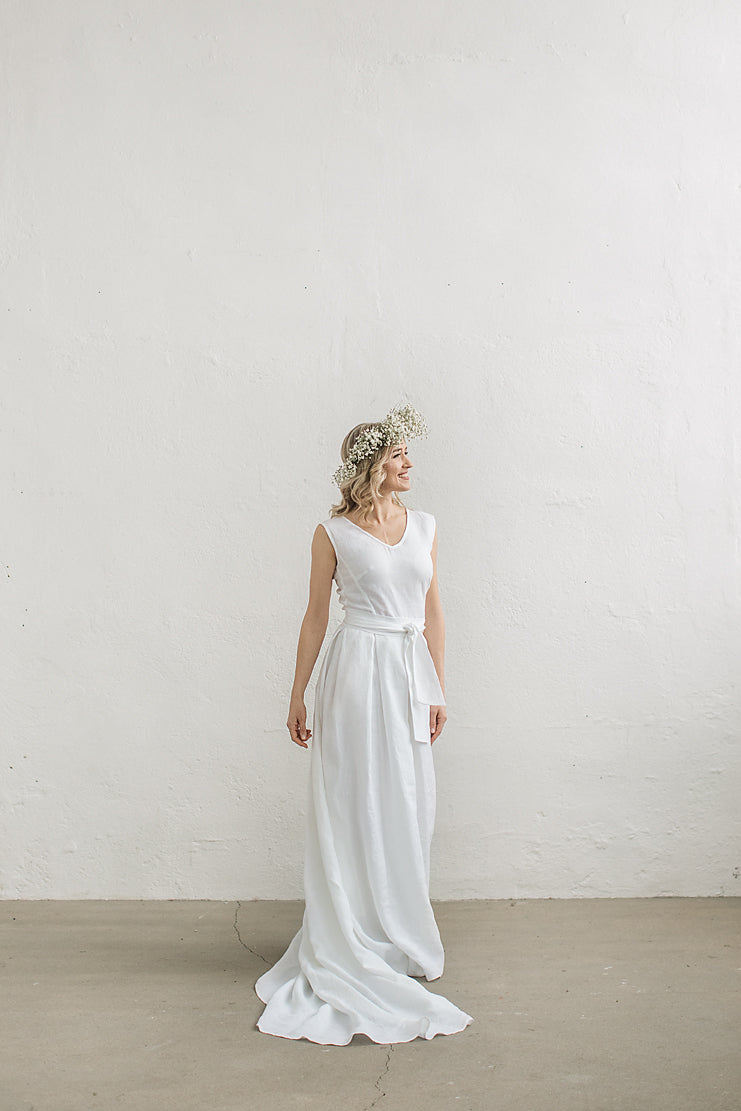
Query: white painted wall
point(234, 230)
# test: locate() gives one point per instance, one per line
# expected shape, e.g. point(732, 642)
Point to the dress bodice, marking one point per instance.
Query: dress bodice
point(387, 579)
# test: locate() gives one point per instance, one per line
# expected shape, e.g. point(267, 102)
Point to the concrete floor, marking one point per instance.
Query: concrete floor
point(629, 1004)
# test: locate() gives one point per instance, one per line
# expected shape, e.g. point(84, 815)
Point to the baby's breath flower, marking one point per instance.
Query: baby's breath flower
point(403, 422)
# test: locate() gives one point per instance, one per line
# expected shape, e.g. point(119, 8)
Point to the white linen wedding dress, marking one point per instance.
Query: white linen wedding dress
point(368, 925)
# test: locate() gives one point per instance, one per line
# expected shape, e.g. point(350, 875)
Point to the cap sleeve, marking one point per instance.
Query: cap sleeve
point(328, 527)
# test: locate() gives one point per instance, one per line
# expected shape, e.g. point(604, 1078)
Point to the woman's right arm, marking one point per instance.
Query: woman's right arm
point(313, 629)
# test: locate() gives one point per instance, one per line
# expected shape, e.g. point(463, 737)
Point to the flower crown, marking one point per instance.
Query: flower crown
point(401, 423)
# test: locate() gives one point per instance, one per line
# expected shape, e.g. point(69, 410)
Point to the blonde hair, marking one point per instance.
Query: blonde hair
point(359, 491)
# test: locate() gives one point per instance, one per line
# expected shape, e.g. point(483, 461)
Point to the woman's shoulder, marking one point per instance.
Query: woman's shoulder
point(426, 524)
point(334, 526)
point(425, 518)
point(327, 530)
point(329, 524)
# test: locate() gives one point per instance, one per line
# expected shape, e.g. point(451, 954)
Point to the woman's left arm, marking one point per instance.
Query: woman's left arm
point(435, 637)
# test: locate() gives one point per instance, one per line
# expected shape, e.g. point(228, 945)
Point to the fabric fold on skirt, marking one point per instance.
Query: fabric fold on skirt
point(368, 925)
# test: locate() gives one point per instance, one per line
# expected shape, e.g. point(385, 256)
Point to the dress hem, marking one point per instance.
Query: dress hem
point(380, 1040)
point(433, 1030)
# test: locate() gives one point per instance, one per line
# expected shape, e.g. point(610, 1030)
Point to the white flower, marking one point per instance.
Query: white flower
point(400, 423)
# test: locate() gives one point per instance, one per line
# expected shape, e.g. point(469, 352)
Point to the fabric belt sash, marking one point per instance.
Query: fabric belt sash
point(424, 685)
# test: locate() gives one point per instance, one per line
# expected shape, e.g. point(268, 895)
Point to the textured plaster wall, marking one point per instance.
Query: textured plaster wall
point(233, 230)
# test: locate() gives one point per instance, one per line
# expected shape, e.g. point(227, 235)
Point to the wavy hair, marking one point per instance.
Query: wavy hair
point(359, 491)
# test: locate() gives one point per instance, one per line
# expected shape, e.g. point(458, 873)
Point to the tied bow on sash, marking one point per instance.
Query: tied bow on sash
point(424, 685)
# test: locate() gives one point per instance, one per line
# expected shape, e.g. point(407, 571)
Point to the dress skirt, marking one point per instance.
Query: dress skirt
point(368, 927)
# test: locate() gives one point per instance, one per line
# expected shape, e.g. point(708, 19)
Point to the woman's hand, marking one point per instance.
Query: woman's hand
point(297, 721)
point(438, 717)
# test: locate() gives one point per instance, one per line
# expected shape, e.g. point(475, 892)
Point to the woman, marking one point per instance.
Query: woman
point(368, 926)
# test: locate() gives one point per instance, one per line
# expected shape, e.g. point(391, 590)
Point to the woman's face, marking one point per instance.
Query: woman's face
point(397, 470)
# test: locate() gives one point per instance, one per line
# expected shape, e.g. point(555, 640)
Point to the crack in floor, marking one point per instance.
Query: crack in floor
point(379, 1078)
point(244, 943)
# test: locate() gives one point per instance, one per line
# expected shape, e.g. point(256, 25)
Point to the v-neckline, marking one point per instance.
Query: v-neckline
point(378, 541)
